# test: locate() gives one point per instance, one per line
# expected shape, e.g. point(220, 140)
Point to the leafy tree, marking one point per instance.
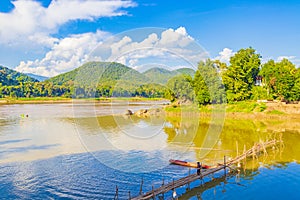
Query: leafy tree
point(240, 76)
point(279, 79)
point(207, 83)
point(296, 87)
point(180, 87)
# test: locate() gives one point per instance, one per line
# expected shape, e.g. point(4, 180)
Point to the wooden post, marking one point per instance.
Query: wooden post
point(200, 168)
point(129, 195)
point(141, 187)
point(153, 192)
point(163, 183)
point(237, 148)
point(225, 165)
point(117, 193)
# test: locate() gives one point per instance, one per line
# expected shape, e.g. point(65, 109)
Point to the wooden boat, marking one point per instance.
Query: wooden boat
point(187, 164)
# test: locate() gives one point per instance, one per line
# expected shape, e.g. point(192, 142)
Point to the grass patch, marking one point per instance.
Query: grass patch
point(261, 107)
point(275, 112)
point(243, 106)
point(182, 108)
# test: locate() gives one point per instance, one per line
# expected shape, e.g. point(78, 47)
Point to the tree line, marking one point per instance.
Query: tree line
point(244, 78)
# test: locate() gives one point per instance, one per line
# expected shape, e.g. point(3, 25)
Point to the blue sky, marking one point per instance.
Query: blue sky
point(35, 35)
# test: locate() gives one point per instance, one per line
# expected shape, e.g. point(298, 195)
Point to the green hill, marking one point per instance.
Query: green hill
point(160, 75)
point(94, 73)
point(11, 77)
point(186, 71)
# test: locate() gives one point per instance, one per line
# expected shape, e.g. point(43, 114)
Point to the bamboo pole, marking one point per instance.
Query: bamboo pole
point(193, 177)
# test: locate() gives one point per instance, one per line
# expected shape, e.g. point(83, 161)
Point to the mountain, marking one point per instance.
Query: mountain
point(186, 71)
point(160, 75)
point(93, 73)
point(12, 77)
point(37, 77)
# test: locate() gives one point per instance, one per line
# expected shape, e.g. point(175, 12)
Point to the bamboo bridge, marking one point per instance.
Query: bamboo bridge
point(253, 152)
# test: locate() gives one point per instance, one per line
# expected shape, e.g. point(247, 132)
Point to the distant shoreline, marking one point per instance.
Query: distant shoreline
point(44, 100)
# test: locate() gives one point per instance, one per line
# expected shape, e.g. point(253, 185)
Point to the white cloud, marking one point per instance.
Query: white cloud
point(30, 20)
point(280, 58)
point(71, 52)
point(66, 54)
point(169, 45)
point(224, 55)
point(293, 59)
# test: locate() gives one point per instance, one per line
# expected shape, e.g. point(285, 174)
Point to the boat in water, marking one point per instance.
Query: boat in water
point(187, 164)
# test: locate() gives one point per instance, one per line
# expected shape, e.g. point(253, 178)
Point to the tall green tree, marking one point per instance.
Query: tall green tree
point(296, 87)
point(180, 87)
point(240, 76)
point(279, 79)
point(207, 83)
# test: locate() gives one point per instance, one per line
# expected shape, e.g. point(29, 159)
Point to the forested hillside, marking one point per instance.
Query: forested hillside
point(244, 78)
point(11, 77)
point(160, 75)
point(94, 73)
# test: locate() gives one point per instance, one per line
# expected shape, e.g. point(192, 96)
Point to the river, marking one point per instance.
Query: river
point(84, 150)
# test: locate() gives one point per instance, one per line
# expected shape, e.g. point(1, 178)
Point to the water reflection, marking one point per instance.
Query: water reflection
point(132, 144)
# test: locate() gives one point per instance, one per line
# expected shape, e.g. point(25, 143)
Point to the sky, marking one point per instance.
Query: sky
point(49, 37)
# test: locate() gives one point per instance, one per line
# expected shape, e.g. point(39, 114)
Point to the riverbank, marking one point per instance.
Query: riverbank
point(245, 110)
point(41, 100)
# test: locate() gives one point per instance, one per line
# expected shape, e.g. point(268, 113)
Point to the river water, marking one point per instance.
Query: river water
point(84, 150)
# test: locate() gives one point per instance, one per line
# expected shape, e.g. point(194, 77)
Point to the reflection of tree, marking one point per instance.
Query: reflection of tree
point(241, 134)
point(197, 191)
point(183, 131)
point(238, 178)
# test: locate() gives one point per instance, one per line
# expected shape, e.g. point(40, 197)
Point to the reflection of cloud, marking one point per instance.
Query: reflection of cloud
point(5, 153)
point(13, 141)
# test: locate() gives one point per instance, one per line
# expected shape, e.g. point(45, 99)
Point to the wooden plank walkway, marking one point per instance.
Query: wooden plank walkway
point(257, 148)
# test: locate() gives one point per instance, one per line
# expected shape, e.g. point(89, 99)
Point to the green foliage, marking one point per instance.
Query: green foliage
point(161, 76)
point(207, 84)
point(186, 71)
point(275, 112)
point(243, 106)
point(94, 73)
point(296, 88)
point(11, 77)
point(259, 92)
point(261, 107)
point(246, 106)
point(180, 87)
point(240, 76)
point(279, 79)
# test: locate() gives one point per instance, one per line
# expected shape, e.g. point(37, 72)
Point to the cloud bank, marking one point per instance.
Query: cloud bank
point(29, 20)
point(170, 47)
